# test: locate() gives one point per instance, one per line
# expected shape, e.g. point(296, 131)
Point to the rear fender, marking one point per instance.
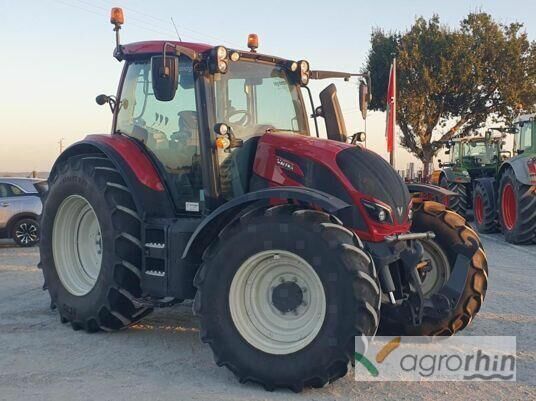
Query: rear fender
point(142, 178)
point(521, 169)
point(212, 225)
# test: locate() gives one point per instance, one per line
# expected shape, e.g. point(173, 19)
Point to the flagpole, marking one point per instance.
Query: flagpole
point(392, 154)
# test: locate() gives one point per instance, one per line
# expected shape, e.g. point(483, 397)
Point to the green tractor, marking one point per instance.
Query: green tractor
point(507, 201)
point(471, 158)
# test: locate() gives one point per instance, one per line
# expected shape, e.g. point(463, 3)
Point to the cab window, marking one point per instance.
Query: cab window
point(168, 129)
point(251, 98)
point(524, 138)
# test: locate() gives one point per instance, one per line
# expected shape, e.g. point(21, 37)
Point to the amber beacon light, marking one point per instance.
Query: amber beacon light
point(116, 16)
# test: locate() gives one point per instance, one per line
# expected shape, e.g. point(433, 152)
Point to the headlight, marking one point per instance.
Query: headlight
point(304, 66)
point(235, 56)
point(293, 66)
point(221, 52)
point(304, 79)
point(217, 62)
point(222, 66)
point(378, 212)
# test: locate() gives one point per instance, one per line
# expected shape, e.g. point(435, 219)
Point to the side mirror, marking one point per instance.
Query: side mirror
point(447, 152)
point(103, 99)
point(332, 113)
point(359, 137)
point(165, 75)
point(363, 98)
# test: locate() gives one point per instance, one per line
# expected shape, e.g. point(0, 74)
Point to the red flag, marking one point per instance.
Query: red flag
point(391, 109)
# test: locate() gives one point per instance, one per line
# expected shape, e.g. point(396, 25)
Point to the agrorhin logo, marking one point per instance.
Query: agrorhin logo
point(433, 359)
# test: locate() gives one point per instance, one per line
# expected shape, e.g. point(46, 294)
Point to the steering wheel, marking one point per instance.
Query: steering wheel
point(242, 121)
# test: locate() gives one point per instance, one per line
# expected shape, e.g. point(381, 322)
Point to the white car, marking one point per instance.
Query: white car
point(20, 210)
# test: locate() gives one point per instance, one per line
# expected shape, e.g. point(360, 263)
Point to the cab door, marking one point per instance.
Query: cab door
point(168, 129)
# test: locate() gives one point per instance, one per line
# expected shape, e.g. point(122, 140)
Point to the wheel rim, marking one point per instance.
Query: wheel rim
point(27, 233)
point(77, 245)
point(479, 209)
point(277, 302)
point(509, 206)
point(439, 268)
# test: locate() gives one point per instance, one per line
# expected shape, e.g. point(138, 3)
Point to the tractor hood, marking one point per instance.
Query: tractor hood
point(346, 171)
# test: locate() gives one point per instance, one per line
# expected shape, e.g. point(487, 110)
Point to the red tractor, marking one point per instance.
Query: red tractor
point(212, 187)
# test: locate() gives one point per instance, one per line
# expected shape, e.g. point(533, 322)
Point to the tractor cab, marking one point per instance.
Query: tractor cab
point(201, 110)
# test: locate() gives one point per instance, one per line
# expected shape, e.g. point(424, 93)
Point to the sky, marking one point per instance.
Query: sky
point(57, 55)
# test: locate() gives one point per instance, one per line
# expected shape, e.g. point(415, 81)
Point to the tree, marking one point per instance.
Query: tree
point(451, 81)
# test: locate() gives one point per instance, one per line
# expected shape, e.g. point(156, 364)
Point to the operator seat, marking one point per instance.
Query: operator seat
point(184, 144)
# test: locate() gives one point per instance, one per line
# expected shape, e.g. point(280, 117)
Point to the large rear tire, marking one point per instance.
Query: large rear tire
point(457, 203)
point(453, 237)
point(91, 250)
point(484, 211)
point(285, 308)
point(517, 209)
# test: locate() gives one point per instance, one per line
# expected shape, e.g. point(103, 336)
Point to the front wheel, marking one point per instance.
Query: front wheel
point(454, 239)
point(296, 291)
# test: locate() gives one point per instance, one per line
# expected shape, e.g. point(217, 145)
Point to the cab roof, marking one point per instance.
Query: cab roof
point(156, 46)
point(525, 117)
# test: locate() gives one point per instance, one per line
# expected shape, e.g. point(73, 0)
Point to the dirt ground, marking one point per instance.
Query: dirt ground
point(163, 359)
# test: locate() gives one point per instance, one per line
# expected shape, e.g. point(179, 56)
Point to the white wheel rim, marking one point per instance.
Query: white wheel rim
point(439, 272)
point(252, 300)
point(77, 245)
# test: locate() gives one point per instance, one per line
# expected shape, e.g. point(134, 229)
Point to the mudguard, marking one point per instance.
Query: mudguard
point(227, 212)
point(521, 169)
point(429, 189)
point(134, 165)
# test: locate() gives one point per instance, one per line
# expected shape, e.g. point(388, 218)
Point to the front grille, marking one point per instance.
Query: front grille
point(371, 175)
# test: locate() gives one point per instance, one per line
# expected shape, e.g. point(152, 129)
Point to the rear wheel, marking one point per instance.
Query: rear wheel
point(454, 238)
point(517, 209)
point(484, 210)
point(457, 203)
point(26, 232)
point(285, 308)
point(91, 250)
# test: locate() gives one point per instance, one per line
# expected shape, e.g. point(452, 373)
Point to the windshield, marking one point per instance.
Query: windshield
point(485, 152)
point(254, 96)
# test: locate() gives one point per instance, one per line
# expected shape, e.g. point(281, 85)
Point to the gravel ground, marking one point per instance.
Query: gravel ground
point(162, 358)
